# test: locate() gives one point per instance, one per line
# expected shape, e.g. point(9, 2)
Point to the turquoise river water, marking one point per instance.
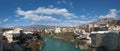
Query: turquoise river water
point(52, 44)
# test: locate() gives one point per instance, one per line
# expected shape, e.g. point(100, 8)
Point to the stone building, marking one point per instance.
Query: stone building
point(57, 30)
point(118, 22)
point(14, 33)
point(106, 41)
point(11, 33)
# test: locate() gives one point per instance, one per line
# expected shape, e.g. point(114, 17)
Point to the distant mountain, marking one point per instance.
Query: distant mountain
point(35, 27)
point(38, 27)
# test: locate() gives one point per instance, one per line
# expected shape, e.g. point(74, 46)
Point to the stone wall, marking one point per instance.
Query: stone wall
point(106, 42)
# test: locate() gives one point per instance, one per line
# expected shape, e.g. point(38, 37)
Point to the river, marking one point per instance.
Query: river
point(52, 44)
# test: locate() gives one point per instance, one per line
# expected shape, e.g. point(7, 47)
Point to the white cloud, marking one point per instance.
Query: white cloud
point(8, 25)
point(73, 22)
point(58, 2)
point(32, 22)
point(119, 10)
point(5, 20)
point(71, 4)
point(83, 17)
point(70, 23)
point(63, 1)
point(16, 20)
point(50, 11)
point(16, 15)
point(112, 14)
point(51, 6)
point(66, 24)
point(33, 16)
point(77, 21)
point(44, 13)
point(0, 22)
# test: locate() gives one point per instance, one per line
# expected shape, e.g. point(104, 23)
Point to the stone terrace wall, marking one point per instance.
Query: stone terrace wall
point(107, 41)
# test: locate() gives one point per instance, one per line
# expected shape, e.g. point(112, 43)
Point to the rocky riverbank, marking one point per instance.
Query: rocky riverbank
point(69, 36)
point(65, 36)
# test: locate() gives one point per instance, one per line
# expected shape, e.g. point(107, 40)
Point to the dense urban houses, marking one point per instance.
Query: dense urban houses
point(19, 39)
point(57, 30)
point(118, 22)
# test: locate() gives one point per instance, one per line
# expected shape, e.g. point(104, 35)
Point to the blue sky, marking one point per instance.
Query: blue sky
point(56, 12)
